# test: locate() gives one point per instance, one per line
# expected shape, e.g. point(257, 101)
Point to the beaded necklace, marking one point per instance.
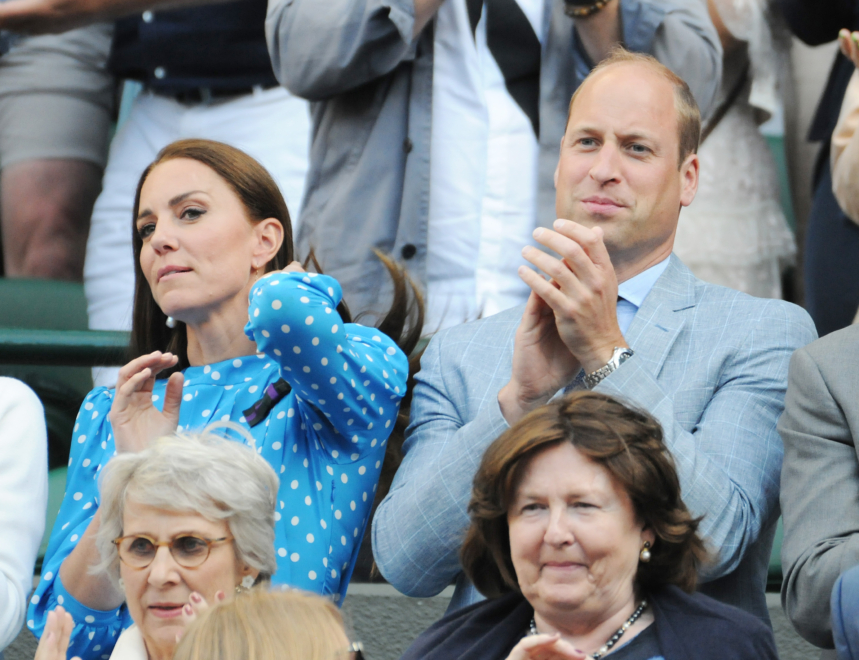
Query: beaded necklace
point(614, 638)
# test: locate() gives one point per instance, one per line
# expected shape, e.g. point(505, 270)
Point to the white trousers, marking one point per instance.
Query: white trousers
point(271, 125)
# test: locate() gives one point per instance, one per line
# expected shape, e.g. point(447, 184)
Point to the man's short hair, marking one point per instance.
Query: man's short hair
point(688, 113)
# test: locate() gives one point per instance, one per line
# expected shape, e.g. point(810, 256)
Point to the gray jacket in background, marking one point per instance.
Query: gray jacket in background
point(371, 87)
point(820, 479)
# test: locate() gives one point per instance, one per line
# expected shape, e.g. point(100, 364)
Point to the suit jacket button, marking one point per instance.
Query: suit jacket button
point(408, 251)
point(407, 145)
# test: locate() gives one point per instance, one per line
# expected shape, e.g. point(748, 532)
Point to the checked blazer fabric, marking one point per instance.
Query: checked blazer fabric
point(710, 364)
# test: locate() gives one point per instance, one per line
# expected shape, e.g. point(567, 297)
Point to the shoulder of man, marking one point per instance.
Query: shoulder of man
point(718, 306)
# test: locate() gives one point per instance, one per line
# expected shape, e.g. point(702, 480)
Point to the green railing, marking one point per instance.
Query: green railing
point(68, 348)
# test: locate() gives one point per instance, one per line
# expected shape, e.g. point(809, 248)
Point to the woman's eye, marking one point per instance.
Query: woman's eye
point(192, 213)
point(189, 546)
point(141, 546)
point(144, 231)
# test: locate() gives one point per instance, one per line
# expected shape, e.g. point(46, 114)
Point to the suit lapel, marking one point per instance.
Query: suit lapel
point(662, 315)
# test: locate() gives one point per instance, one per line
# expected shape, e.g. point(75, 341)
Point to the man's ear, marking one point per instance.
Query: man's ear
point(689, 179)
point(269, 234)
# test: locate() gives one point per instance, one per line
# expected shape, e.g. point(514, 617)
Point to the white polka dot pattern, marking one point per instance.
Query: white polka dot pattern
point(323, 439)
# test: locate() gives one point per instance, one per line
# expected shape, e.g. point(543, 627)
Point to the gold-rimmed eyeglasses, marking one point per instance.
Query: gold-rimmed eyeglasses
point(188, 550)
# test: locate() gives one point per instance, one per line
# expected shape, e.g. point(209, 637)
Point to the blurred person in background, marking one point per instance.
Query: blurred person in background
point(436, 127)
point(831, 251)
point(258, 624)
point(844, 158)
point(56, 107)
point(736, 234)
point(23, 500)
point(269, 625)
point(205, 73)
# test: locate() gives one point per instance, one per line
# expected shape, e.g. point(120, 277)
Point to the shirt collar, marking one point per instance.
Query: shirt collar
point(635, 289)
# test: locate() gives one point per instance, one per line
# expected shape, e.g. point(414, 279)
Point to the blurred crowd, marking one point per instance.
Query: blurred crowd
point(601, 270)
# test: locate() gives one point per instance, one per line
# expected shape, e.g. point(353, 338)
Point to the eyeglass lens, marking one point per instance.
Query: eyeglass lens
point(188, 551)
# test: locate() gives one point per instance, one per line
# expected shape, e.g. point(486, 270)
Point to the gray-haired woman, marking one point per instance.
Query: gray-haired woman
point(186, 522)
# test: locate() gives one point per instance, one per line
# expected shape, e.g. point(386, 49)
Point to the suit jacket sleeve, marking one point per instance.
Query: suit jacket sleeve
point(729, 463)
point(320, 49)
point(418, 528)
point(819, 497)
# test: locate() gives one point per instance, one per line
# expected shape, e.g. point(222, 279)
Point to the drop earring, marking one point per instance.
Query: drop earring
point(644, 555)
point(171, 322)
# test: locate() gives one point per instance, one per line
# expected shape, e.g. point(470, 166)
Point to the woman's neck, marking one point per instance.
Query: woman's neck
point(220, 336)
point(155, 651)
point(590, 632)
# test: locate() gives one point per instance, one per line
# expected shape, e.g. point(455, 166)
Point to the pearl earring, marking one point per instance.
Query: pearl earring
point(644, 555)
point(171, 322)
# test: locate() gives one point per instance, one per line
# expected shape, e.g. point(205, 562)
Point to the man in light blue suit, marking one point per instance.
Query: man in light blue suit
point(622, 315)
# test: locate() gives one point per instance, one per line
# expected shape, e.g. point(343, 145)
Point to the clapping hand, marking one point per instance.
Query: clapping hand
point(849, 43)
point(135, 420)
point(570, 321)
point(55, 638)
point(545, 647)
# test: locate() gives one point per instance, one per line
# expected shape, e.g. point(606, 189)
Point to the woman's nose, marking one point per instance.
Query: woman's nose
point(163, 237)
point(558, 530)
point(163, 569)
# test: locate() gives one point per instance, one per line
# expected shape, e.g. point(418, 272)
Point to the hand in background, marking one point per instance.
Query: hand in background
point(55, 639)
point(849, 43)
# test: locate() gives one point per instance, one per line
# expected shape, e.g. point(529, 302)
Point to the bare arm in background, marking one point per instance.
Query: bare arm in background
point(424, 11)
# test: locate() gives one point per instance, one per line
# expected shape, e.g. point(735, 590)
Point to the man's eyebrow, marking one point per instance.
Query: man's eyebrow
point(172, 202)
point(634, 135)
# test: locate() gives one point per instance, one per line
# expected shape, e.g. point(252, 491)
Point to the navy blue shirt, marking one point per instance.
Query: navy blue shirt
point(220, 46)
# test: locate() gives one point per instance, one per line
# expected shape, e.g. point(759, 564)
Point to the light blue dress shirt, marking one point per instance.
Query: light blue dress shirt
point(633, 292)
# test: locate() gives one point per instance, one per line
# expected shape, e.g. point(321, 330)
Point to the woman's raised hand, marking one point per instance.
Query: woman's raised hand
point(55, 639)
point(545, 647)
point(135, 420)
point(195, 606)
point(849, 43)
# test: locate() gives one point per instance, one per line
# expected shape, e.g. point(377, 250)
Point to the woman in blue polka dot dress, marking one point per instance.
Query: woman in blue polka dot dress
point(319, 396)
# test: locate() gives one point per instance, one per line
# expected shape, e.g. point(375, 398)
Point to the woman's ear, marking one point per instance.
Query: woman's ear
point(269, 235)
point(248, 572)
point(648, 536)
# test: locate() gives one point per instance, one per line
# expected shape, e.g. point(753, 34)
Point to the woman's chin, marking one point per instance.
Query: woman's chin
point(162, 635)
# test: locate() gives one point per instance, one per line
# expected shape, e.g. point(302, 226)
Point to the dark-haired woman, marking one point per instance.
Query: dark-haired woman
point(581, 542)
point(246, 336)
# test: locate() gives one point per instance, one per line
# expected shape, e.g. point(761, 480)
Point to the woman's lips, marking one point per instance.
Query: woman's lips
point(171, 272)
point(166, 610)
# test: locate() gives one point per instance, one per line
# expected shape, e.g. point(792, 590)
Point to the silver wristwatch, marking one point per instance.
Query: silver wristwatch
point(620, 355)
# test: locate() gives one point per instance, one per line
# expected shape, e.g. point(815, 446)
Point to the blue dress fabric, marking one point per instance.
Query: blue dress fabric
point(326, 440)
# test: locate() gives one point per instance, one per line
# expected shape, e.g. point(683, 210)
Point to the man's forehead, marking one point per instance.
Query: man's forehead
point(628, 97)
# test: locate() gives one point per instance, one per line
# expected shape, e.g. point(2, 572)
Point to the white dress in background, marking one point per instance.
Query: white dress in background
point(735, 233)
